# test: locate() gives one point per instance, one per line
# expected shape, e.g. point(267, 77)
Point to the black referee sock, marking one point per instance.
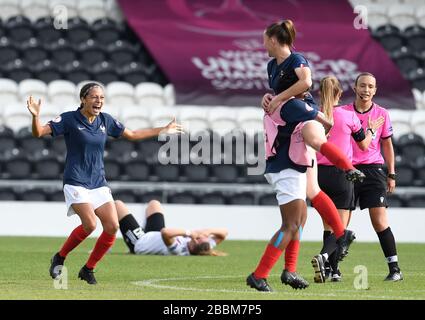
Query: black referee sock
point(326, 234)
point(329, 245)
point(386, 238)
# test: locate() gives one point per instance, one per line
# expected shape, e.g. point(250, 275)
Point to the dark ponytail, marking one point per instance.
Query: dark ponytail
point(284, 32)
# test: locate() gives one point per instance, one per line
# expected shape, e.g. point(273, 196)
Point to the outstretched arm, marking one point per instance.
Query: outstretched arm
point(171, 128)
point(37, 129)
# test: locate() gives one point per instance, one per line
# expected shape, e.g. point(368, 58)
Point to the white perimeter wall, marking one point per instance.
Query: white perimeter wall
point(243, 222)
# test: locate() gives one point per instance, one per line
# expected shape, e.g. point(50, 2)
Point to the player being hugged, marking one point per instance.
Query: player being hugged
point(85, 188)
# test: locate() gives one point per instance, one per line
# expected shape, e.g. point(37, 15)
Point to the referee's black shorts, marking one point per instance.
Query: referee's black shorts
point(333, 182)
point(372, 192)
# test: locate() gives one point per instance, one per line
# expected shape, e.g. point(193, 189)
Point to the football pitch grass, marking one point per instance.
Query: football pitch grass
point(24, 263)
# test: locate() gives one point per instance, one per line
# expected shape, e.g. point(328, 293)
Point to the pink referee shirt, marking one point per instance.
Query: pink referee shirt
point(373, 154)
point(345, 123)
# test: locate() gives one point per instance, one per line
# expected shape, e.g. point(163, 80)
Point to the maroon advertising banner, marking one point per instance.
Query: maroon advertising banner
point(212, 50)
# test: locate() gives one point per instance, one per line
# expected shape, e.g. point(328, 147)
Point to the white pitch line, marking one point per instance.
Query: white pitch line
point(154, 283)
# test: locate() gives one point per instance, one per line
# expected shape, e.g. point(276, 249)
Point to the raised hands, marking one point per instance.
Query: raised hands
point(33, 106)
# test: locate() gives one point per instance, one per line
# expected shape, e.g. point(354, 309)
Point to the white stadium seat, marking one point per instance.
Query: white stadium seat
point(193, 118)
point(16, 116)
point(63, 93)
point(35, 9)
point(114, 11)
point(250, 119)
point(417, 122)
point(400, 120)
point(49, 112)
point(162, 116)
point(149, 94)
point(420, 15)
point(34, 87)
point(119, 93)
point(9, 92)
point(402, 16)
point(9, 8)
point(222, 119)
point(376, 15)
point(91, 10)
point(136, 117)
point(63, 7)
point(419, 98)
point(114, 110)
point(169, 95)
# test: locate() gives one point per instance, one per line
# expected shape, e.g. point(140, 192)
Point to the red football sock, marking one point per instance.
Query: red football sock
point(329, 213)
point(268, 260)
point(104, 242)
point(74, 239)
point(335, 155)
point(291, 255)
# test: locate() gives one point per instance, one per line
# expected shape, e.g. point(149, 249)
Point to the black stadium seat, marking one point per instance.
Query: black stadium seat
point(133, 73)
point(45, 30)
point(91, 52)
point(216, 197)
point(78, 31)
point(46, 71)
point(125, 195)
point(48, 167)
point(195, 173)
point(7, 143)
point(106, 31)
point(104, 72)
point(412, 147)
point(19, 28)
point(167, 172)
point(121, 52)
point(35, 194)
point(7, 194)
point(112, 169)
point(415, 38)
point(75, 72)
point(9, 52)
point(416, 201)
point(243, 198)
point(61, 51)
point(389, 36)
point(185, 197)
point(29, 145)
point(395, 201)
point(17, 70)
point(32, 51)
point(18, 167)
point(268, 199)
point(406, 60)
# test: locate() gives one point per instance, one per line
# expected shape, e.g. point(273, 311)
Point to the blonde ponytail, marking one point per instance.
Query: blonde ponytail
point(330, 92)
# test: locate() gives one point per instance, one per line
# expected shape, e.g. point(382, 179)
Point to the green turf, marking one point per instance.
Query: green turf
point(24, 274)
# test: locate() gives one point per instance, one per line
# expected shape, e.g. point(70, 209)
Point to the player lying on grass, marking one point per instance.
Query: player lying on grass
point(156, 239)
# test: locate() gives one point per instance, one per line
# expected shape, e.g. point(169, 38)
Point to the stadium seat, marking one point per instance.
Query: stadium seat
point(120, 147)
point(16, 70)
point(135, 117)
point(9, 92)
point(411, 146)
point(34, 87)
point(113, 11)
point(7, 194)
point(377, 15)
point(62, 93)
point(149, 148)
point(161, 116)
point(46, 71)
point(126, 195)
point(184, 197)
point(91, 10)
point(193, 118)
point(75, 72)
point(417, 78)
point(420, 15)
point(195, 173)
point(30, 146)
point(78, 31)
point(415, 38)
point(136, 168)
point(149, 95)
point(168, 172)
point(56, 196)
point(222, 119)
point(121, 52)
point(7, 143)
point(250, 119)
point(48, 167)
point(419, 100)
point(112, 169)
point(406, 60)
point(242, 198)
point(405, 174)
point(45, 30)
point(133, 73)
point(416, 201)
point(34, 9)
point(214, 198)
point(16, 117)
point(402, 16)
point(67, 10)
point(18, 167)
point(120, 94)
point(400, 120)
point(19, 29)
point(224, 173)
point(106, 30)
point(417, 122)
point(91, 52)
point(395, 201)
point(104, 72)
point(32, 194)
point(62, 52)
point(389, 36)
point(146, 196)
point(268, 199)
point(58, 147)
point(32, 51)
point(169, 95)
point(9, 52)
point(9, 8)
